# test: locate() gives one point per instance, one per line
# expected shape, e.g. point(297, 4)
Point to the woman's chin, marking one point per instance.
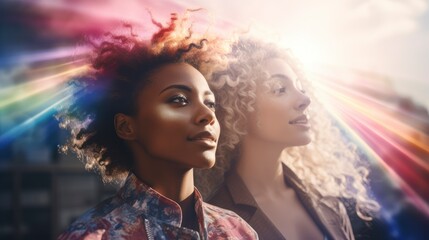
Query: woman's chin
point(300, 142)
point(307, 141)
point(205, 161)
point(208, 163)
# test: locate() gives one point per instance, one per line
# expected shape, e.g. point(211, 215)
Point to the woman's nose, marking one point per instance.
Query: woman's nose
point(303, 101)
point(205, 115)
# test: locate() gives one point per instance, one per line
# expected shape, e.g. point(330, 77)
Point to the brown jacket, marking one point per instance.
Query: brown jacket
point(235, 196)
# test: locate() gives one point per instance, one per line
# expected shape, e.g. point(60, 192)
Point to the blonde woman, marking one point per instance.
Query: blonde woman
point(286, 165)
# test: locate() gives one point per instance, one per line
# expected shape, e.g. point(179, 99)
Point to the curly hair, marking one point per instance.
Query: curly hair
point(120, 67)
point(327, 167)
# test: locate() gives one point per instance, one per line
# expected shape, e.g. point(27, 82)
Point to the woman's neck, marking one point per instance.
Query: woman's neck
point(259, 165)
point(169, 178)
point(173, 182)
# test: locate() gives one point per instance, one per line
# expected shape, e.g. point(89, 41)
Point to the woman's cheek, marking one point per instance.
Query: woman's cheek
point(168, 114)
point(276, 115)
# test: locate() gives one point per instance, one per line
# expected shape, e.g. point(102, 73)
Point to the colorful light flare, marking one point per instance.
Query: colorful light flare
point(391, 136)
point(25, 90)
point(390, 142)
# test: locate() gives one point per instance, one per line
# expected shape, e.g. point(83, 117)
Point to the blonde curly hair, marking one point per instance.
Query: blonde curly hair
point(120, 66)
point(327, 167)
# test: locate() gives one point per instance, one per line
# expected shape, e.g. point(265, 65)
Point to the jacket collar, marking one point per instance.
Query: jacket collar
point(239, 192)
point(156, 207)
point(326, 219)
point(241, 195)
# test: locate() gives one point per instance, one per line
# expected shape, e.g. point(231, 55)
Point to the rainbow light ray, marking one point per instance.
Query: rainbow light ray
point(375, 115)
point(25, 90)
point(32, 121)
point(372, 108)
point(396, 179)
point(46, 55)
point(410, 182)
point(392, 144)
point(39, 102)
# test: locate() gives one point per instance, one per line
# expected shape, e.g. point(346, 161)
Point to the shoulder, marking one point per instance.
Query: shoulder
point(221, 197)
point(224, 198)
point(376, 228)
point(233, 195)
point(94, 223)
point(101, 210)
point(223, 223)
point(213, 210)
point(94, 229)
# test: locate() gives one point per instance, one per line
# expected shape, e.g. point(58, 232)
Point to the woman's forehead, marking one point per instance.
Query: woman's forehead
point(278, 67)
point(177, 74)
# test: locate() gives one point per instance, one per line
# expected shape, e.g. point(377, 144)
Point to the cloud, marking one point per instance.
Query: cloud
point(378, 20)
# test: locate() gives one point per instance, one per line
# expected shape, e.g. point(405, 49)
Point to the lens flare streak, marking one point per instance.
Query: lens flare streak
point(396, 180)
point(32, 121)
point(380, 119)
point(393, 143)
point(379, 112)
point(23, 91)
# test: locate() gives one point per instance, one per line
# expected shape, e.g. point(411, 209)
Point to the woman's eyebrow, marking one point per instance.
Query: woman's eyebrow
point(177, 86)
point(279, 75)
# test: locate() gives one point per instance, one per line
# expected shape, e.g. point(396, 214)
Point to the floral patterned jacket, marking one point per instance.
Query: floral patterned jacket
point(139, 212)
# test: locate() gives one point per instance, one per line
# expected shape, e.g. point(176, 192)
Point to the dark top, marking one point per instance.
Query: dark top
point(235, 196)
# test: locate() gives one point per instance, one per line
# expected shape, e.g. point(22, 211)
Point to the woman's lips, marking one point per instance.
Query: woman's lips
point(301, 121)
point(205, 138)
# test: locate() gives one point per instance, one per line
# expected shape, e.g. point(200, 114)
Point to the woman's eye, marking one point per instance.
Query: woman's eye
point(299, 86)
point(181, 100)
point(279, 91)
point(211, 105)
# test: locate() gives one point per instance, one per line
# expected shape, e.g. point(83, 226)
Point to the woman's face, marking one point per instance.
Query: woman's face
point(280, 103)
point(176, 119)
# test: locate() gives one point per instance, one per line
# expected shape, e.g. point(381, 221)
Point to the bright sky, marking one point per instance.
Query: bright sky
point(389, 37)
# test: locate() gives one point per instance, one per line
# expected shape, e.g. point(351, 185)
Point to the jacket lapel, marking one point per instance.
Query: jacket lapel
point(251, 212)
point(328, 220)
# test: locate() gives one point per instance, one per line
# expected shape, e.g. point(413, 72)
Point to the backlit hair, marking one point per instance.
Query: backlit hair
point(121, 66)
point(327, 167)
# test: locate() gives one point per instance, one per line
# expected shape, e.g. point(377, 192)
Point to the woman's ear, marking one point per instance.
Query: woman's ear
point(124, 126)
